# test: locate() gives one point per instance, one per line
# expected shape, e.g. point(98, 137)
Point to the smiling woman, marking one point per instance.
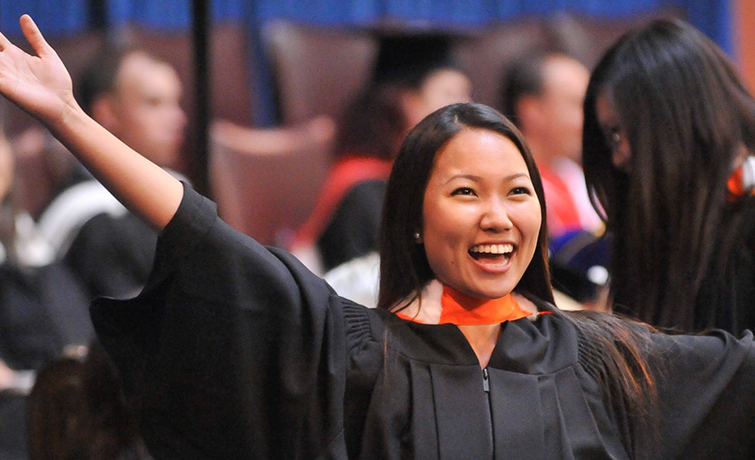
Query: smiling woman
point(235, 350)
point(480, 225)
point(464, 181)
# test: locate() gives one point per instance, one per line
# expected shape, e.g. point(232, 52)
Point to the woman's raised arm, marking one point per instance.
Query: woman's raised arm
point(42, 87)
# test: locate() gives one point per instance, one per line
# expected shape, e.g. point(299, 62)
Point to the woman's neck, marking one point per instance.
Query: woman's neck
point(482, 338)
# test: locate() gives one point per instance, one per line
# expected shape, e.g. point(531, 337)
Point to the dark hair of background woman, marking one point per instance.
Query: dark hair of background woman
point(372, 125)
point(686, 116)
point(613, 351)
point(76, 411)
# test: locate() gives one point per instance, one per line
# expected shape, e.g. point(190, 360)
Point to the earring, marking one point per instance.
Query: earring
point(417, 236)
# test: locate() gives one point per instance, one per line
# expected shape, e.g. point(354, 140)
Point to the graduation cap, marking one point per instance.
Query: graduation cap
point(407, 58)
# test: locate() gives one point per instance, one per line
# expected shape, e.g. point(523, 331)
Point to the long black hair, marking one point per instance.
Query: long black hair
point(687, 118)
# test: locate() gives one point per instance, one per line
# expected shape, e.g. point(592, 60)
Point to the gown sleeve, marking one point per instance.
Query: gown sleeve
point(232, 350)
point(706, 396)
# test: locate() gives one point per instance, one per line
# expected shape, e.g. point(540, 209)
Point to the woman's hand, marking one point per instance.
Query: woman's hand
point(42, 86)
point(38, 84)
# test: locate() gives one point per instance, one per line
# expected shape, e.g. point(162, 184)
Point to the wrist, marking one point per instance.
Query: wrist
point(71, 115)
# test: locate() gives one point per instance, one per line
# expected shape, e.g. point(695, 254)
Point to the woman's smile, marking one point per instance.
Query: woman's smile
point(494, 257)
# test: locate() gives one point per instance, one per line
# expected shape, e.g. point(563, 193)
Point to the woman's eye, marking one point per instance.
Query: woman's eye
point(521, 191)
point(463, 191)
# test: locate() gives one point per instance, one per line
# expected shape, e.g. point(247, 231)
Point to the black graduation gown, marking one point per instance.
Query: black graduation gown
point(42, 311)
point(108, 249)
point(111, 255)
point(235, 350)
point(353, 230)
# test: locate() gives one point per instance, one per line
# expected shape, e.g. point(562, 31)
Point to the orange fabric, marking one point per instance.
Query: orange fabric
point(734, 185)
point(342, 176)
point(741, 183)
point(462, 310)
point(563, 215)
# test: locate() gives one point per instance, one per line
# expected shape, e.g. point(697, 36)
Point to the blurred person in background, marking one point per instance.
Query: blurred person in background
point(669, 138)
point(77, 411)
point(346, 216)
point(413, 76)
point(136, 96)
point(543, 94)
point(43, 310)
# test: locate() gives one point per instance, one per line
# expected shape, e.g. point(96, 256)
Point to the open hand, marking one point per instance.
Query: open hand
point(38, 84)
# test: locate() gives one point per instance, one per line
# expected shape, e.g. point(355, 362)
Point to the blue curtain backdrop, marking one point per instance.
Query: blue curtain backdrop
point(713, 17)
point(67, 16)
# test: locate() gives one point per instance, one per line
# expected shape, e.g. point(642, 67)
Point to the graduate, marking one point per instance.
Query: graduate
point(235, 350)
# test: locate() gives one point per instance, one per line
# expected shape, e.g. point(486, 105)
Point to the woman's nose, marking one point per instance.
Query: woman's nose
point(495, 217)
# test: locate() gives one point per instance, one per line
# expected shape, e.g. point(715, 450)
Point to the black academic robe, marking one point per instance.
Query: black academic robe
point(235, 350)
point(112, 255)
point(108, 249)
point(353, 230)
point(42, 311)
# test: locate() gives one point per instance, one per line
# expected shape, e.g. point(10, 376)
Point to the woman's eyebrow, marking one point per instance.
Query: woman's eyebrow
point(476, 178)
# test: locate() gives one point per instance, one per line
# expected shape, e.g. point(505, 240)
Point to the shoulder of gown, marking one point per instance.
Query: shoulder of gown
point(233, 348)
point(706, 395)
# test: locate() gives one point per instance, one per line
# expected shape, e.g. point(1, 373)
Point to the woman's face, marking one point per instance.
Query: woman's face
point(614, 132)
point(441, 88)
point(481, 216)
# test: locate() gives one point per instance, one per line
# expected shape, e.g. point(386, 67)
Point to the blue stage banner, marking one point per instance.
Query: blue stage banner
point(713, 17)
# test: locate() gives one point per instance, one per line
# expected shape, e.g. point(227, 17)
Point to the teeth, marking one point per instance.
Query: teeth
point(493, 248)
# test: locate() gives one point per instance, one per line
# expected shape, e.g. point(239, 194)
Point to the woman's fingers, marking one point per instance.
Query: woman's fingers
point(34, 36)
point(4, 42)
point(38, 82)
point(5, 51)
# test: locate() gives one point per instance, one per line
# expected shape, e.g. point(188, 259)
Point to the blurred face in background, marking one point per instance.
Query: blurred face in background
point(552, 121)
point(613, 132)
point(440, 88)
point(144, 110)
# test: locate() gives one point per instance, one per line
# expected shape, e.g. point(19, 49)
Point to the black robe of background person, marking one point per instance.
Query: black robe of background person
point(353, 230)
point(237, 351)
point(43, 310)
point(111, 254)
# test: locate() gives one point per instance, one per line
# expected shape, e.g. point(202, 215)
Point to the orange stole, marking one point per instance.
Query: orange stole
point(461, 309)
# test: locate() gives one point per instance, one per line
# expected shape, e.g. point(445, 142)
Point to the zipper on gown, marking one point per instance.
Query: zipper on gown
point(486, 388)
